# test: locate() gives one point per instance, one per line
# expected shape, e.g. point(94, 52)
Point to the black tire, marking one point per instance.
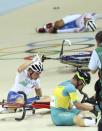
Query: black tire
point(24, 110)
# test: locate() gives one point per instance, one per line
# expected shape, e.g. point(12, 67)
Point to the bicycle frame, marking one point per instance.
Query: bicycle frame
point(38, 105)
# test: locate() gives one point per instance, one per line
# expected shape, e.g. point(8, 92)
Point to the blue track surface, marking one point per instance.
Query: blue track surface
point(10, 5)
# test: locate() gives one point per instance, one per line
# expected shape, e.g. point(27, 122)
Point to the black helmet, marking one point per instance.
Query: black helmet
point(84, 76)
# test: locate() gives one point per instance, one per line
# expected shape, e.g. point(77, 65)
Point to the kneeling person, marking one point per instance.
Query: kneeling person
point(62, 113)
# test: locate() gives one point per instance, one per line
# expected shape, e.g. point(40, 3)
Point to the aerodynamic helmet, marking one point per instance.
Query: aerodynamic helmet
point(37, 66)
point(90, 25)
point(84, 76)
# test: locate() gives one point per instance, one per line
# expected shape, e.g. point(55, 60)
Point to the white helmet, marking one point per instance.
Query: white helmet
point(90, 25)
point(37, 66)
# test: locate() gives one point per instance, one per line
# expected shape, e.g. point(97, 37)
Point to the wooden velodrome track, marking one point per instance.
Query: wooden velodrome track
point(18, 39)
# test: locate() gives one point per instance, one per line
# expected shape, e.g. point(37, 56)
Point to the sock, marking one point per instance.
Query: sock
point(89, 122)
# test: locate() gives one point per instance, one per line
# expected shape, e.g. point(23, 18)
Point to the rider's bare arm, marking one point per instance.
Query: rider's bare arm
point(93, 71)
point(24, 66)
point(38, 91)
point(83, 106)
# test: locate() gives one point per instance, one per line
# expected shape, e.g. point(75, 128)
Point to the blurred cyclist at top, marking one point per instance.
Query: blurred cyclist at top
point(71, 23)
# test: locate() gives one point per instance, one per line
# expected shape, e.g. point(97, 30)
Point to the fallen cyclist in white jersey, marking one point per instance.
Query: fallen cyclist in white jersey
point(72, 23)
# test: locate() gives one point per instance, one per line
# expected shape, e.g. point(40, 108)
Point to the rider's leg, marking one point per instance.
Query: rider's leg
point(14, 97)
point(84, 121)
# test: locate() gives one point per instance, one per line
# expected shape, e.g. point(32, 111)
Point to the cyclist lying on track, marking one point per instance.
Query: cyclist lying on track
point(71, 23)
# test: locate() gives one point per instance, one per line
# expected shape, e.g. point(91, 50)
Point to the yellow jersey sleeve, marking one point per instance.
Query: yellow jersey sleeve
point(73, 96)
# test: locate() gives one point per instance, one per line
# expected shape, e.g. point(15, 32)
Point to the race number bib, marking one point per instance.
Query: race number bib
point(53, 101)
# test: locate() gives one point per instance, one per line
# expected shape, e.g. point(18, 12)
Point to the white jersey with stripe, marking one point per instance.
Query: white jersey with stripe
point(75, 23)
point(24, 83)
